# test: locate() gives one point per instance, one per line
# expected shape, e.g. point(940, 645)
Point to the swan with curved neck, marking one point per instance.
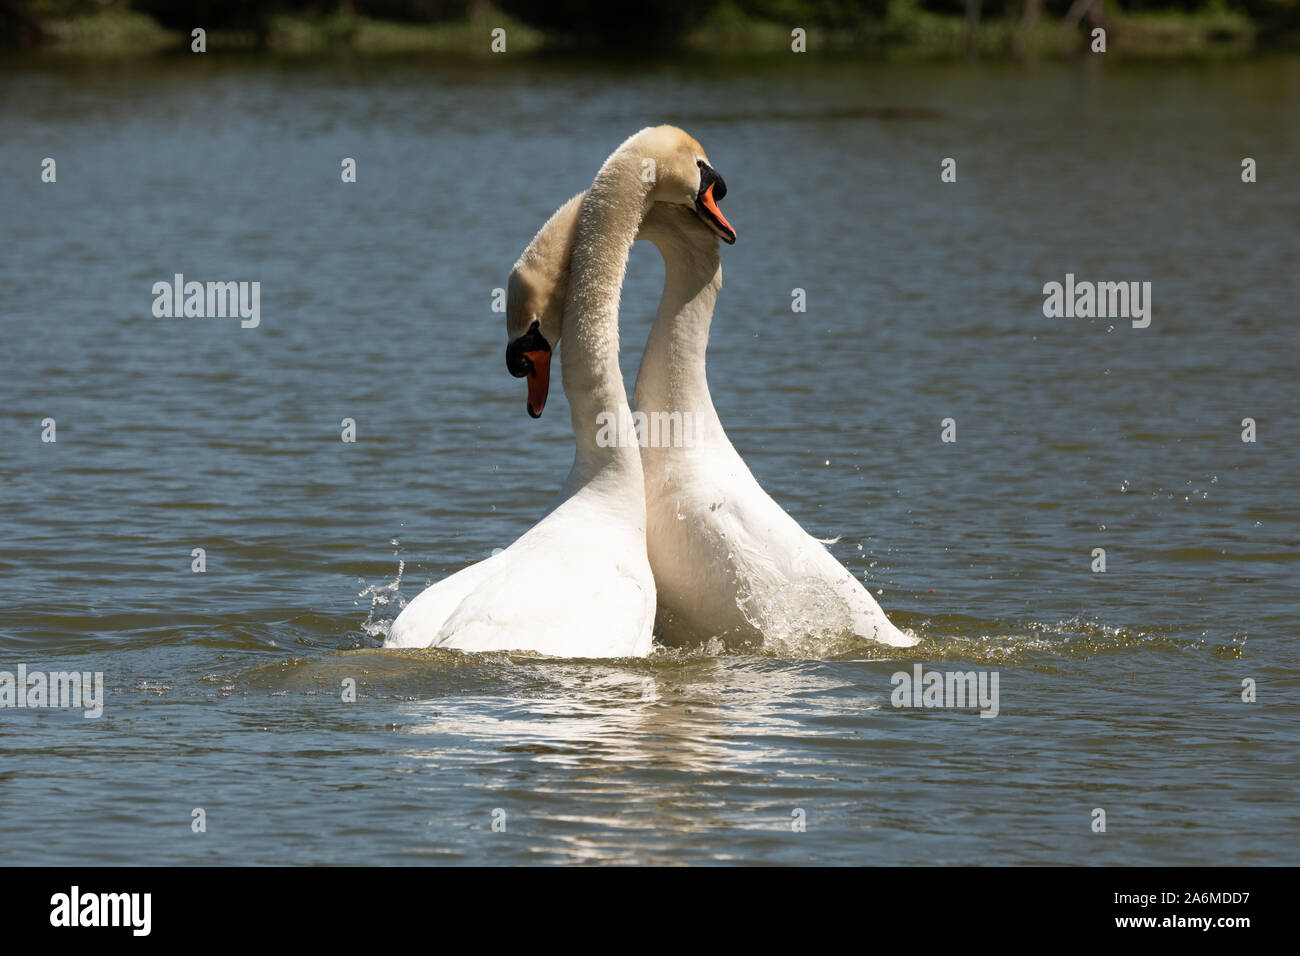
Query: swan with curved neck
point(728, 561)
point(578, 583)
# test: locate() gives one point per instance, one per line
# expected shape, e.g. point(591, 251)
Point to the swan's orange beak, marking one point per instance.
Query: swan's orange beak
point(714, 219)
point(712, 188)
point(530, 356)
point(539, 381)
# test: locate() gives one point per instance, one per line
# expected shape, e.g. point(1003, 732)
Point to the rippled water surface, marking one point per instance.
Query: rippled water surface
point(1119, 690)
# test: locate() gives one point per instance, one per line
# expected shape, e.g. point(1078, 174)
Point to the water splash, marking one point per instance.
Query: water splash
point(807, 635)
point(381, 597)
point(807, 618)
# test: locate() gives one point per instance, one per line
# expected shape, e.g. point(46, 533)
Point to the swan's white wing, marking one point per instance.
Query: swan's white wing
point(790, 555)
point(421, 620)
point(736, 563)
point(566, 605)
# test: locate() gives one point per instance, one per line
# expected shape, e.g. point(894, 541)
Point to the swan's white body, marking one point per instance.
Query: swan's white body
point(728, 561)
point(578, 584)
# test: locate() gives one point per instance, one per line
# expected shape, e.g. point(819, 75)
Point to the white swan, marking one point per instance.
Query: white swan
point(578, 583)
point(728, 561)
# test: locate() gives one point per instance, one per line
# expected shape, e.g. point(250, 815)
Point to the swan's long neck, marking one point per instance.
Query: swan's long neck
point(607, 225)
point(672, 374)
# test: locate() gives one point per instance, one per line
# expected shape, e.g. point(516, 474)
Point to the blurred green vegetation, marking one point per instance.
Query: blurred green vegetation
point(720, 27)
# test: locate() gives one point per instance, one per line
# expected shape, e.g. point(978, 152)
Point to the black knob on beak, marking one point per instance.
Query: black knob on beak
point(517, 361)
point(710, 175)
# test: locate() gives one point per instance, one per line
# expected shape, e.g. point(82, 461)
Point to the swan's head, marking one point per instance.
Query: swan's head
point(535, 296)
point(683, 175)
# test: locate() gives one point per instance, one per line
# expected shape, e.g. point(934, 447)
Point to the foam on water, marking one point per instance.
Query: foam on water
point(806, 621)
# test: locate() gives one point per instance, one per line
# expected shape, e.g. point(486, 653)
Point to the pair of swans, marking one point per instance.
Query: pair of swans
point(685, 532)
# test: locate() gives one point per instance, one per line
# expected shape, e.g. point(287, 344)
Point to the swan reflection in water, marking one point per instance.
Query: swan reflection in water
point(608, 761)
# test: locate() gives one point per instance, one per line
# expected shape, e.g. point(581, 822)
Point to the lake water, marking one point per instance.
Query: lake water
point(1119, 690)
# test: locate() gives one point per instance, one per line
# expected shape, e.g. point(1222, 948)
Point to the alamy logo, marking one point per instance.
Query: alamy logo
point(103, 909)
point(956, 689)
point(211, 300)
point(1098, 300)
point(56, 689)
point(646, 430)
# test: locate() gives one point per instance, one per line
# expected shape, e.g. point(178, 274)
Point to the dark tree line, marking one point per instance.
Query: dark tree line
point(610, 24)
